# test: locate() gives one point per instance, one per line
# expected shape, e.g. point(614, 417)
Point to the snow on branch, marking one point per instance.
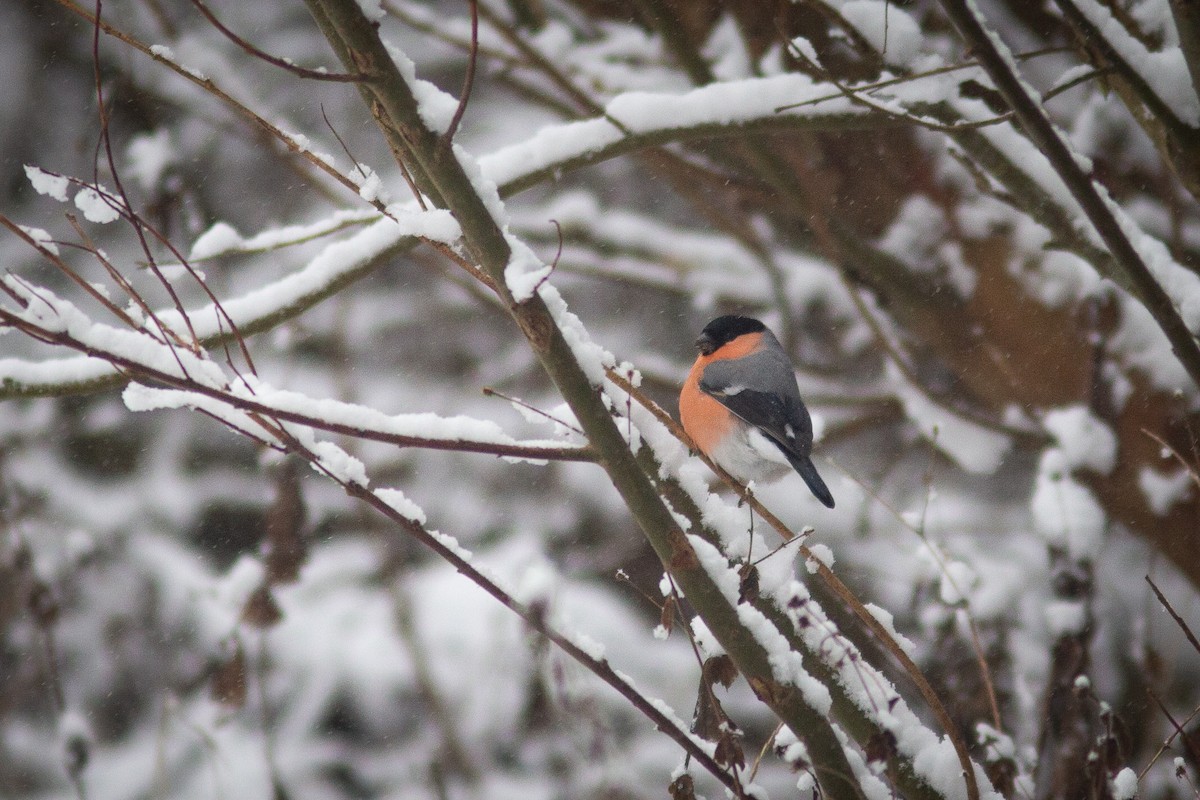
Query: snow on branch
point(512, 169)
point(860, 691)
point(199, 382)
point(1071, 167)
point(1161, 78)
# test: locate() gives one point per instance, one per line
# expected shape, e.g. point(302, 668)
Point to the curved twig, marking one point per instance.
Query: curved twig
point(282, 63)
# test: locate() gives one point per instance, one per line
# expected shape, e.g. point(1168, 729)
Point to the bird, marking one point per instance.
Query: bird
point(741, 405)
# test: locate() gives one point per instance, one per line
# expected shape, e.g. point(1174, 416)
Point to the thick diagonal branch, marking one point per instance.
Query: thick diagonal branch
point(440, 175)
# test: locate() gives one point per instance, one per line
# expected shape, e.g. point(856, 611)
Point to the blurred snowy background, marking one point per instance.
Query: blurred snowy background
point(998, 418)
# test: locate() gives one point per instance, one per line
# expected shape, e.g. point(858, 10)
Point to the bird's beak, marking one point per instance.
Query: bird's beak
point(705, 344)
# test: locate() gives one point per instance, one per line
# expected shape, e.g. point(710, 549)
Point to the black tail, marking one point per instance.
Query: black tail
point(808, 471)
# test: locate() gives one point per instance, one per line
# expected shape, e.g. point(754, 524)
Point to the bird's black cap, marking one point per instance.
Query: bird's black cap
point(723, 330)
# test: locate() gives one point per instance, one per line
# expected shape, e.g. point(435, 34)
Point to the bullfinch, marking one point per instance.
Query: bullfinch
point(741, 405)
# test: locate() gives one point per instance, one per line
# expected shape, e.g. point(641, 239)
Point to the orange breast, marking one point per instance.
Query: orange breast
point(704, 419)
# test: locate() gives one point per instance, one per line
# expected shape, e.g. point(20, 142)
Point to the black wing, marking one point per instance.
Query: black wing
point(768, 412)
point(765, 395)
point(777, 412)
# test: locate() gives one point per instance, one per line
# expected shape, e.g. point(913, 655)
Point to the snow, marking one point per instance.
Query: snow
point(806, 49)
point(373, 9)
point(1125, 784)
point(149, 156)
point(1085, 441)
point(167, 54)
point(888, 621)
point(525, 271)
point(73, 726)
point(819, 554)
point(96, 207)
point(46, 183)
point(594, 649)
point(336, 261)
point(1065, 617)
point(727, 103)
point(957, 580)
point(1163, 490)
point(593, 359)
point(340, 465)
point(890, 30)
point(435, 106)
point(80, 370)
point(726, 51)
point(1062, 279)
point(915, 232)
point(422, 426)
point(731, 103)
point(1065, 513)
point(1165, 72)
point(976, 449)
point(43, 239)
point(398, 502)
point(708, 644)
point(220, 238)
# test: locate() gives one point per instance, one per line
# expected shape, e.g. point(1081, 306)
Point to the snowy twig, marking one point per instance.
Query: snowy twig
point(344, 419)
point(1187, 23)
point(997, 60)
point(1094, 37)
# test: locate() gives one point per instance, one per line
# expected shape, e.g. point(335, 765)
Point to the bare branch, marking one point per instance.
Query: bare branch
point(283, 63)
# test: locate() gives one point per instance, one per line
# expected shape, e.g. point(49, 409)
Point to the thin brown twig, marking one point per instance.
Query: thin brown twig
point(342, 142)
point(209, 86)
point(282, 63)
point(1183, 626)
point(1188, 744)
point(490, 392)
point(468, 79)
point(125, 204)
